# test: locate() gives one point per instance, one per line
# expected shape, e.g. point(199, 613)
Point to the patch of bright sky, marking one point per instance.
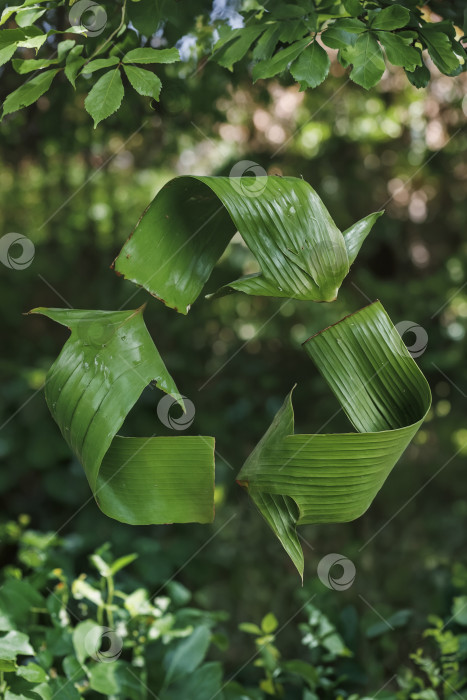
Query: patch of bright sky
point(226, 10)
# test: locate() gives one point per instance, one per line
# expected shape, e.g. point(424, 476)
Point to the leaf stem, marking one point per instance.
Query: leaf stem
point(109, 38)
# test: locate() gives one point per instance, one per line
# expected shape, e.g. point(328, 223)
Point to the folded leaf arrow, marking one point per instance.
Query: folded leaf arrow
point(300, 479)
point(97, 378)
point(181, 235)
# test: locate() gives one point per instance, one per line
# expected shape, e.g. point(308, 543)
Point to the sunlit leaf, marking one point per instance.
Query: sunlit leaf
point(105, 97)
point(29, 92)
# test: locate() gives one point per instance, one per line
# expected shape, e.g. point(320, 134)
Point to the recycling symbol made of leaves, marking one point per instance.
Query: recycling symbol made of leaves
point(110, 358)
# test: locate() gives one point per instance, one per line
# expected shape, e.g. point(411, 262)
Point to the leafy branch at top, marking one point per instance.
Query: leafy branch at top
point(285, 37)
point(274, 37)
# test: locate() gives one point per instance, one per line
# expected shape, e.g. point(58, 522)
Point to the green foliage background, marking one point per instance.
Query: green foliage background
point(77, 193)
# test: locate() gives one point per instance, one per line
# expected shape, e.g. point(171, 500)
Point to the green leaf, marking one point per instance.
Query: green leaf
point(420, 77)
point(459, 610)
point(104, 678)
point(98, 377)
point(6, 52)
point(11, 37)
point(74, 62)
point(350, 25)
point(311, 67)
point(63, 47)
point(17, 597)
point(32, 673)
point(32, 64)
point(101, 565)
point(25, 17)
point(440, 49)
point(234, 44)
point(337, 38)
point(399, 52)
point(62, 689)
point(105, 97)
point(86, 639)
point(393, 17)
point(250, 628)
point(355, 235)
point(143, 81)
point(398, 619)
point(368, 62)
point(280, 60)
point(122, 562)
point(148, 55)
point(74, 671)
point(353, 7)
point(267, 43)
point(82, 589)
point(147, 16)
point(29, 92)
point(302, 479)
point(301, 252)
point(269, 623)
point(14, 644)
point(35, 38)
point(205, 682)
point(304, 670)
point(98, 64)
point(187, 654)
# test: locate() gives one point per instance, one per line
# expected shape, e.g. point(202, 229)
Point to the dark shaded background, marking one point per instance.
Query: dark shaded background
point(77, 193)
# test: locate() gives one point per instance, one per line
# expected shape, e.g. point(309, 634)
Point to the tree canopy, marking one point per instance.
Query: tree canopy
point(106, 49)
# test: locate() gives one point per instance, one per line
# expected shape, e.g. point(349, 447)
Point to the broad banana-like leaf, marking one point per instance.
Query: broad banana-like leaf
point(99, 375)
point(181, 235)
point(300, 479)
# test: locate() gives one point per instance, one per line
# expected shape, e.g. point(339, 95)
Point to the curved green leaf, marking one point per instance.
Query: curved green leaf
point(299, 479)
point(186, 228)
point(98, 377)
